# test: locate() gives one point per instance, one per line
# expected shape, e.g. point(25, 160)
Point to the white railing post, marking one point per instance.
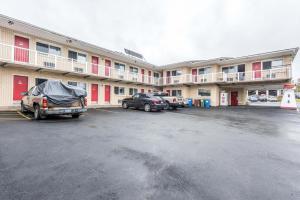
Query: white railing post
point(12, 53)
point(55, 61)
point(72, 64)
point(86, 67)
point(35, 58)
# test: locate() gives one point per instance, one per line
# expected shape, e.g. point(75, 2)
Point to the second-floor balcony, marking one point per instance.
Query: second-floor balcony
point(278, 73)
point(29, 58)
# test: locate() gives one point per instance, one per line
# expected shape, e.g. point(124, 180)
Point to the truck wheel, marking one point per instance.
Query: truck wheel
point(125, 105)
point(147, 107)
point(37, 112)
point(23, 109)
point(75, 116)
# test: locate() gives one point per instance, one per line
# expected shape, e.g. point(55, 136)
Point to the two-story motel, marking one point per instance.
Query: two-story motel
point(30, 55)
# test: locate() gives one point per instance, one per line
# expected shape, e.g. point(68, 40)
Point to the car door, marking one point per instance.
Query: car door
point(134, 101)
point(139, 101)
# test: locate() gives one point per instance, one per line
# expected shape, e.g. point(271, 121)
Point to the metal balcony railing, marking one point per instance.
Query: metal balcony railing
point(280, 72)
point(17, 55)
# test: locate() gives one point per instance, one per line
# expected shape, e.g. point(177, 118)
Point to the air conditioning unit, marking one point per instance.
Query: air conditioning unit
point(78, 69)
point(49, 64)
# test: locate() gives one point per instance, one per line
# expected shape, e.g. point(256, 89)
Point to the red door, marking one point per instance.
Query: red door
point(234, 98)
point(168, 76)
point(256, 68)
point(107, 67)
point(194, 75)
point(142, 90)
point(107, 93)
point(20, 85)
point(169, 92)
point(143, 74)
point(95, 62)
point(149, 76)
point(94, 92)
point(21, 49)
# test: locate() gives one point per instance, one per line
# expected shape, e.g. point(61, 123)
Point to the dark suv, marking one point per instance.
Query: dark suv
point(147, 102)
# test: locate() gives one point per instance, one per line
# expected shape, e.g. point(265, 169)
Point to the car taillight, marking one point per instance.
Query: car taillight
point(45, 102)
point(174, 100)
point(85, 101)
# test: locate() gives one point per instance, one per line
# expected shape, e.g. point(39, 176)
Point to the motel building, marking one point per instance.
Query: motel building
point(30, 55)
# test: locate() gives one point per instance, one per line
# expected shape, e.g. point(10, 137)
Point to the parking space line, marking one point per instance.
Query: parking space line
point(23, 115)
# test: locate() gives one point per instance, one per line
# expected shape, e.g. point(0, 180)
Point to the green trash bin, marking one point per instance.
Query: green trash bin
point(202, 103)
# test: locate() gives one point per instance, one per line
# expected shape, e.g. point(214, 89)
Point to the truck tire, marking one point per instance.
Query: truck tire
point(147, 107)
point(37, 112)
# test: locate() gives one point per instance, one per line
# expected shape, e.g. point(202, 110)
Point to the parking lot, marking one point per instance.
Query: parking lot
point(221, 153)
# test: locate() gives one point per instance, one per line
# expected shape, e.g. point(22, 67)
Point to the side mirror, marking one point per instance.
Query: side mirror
point(24, 93)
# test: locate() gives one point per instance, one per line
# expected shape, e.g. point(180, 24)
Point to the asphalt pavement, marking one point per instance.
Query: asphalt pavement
point(222, 153)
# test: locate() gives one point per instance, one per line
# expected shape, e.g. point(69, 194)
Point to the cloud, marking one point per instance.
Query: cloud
point(171, 30)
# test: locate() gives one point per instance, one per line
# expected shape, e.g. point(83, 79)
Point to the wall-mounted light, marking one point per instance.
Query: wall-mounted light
point(10, 22)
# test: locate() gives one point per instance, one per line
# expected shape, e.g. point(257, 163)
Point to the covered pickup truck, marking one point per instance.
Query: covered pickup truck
point(54, 98)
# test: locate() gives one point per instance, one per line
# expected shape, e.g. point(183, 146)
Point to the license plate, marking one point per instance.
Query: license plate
point(68, 111)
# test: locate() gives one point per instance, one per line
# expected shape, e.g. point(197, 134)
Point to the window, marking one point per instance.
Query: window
point(119, 90)
point(40, 81)
point(230, 69)
point(45, 48)
point(267, 65)
point(205, 70)
point(203, 92)
point(176, 93)
point(273, 93)
point(277, 63)
point(133, 91)
point(80, 57)
point(78, 84)
point(251, 92)
point(272, 64)
point(133, 70)
point(120, 67)
point(176, 73)
point(156, 75)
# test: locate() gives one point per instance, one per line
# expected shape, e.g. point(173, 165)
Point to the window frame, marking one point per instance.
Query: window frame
point(78, 52)
point(49, 44)
point(118, 90)
point(205, 91)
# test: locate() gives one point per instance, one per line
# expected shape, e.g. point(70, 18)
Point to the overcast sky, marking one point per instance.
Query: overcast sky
point(167, 31)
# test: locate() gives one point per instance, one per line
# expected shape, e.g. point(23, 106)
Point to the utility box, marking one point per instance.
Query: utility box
point(223, 98)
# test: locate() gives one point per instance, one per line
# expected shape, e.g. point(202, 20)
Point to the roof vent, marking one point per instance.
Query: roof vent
point(10, 22)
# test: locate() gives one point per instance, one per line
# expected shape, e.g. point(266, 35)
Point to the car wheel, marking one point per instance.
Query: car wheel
point(23, 109)
point(37, 112)
point(167, 106)
point(125, 105)
point(147, 107)
point(75, 116)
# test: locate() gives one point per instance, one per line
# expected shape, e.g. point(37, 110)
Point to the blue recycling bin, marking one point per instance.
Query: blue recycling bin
point(190, 102)
point(206, 103)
